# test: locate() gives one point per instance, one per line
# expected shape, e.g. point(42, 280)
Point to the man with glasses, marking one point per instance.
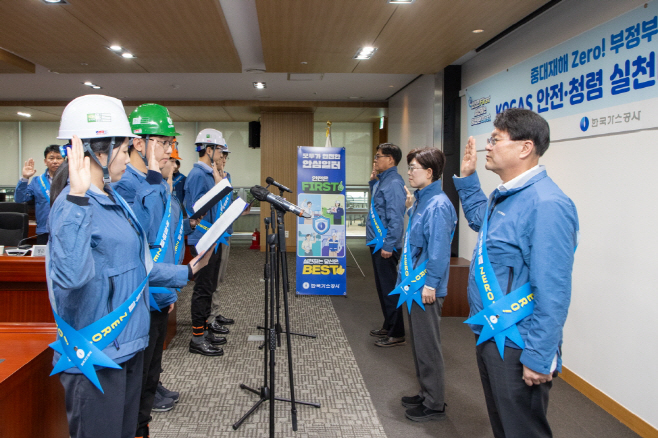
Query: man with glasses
point(384, 230)
point(519, 285)
point(39, 189)
point(149, 154)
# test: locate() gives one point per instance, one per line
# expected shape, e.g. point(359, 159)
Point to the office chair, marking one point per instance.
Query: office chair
point(13, 228)
point(16, 207)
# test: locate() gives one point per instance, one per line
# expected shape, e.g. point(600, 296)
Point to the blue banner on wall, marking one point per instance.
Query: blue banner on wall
point(599, 82)
point(321, 246)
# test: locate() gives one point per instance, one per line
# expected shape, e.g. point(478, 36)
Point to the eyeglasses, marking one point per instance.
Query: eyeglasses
point(412, 168)
point(225, 155)
point(165, 144)
point(377, 156)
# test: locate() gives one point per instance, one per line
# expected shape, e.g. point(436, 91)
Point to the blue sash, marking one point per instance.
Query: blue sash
point(158, 253)
point(45, 186)
point(380, 231)
point(75, 346)
point(411, 286)
point(500, 312)
point(178, 248)
point(177, 179)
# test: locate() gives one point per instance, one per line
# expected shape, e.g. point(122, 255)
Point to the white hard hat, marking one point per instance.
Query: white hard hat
point(209, 137)
point(94, 116)
point(225, 148)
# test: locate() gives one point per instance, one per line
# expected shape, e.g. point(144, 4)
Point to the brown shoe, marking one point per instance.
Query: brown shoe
point(381, 333)
point(390, 342)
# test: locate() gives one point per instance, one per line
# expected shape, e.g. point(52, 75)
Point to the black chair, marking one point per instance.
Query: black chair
point(13, 228)
point(15, 207)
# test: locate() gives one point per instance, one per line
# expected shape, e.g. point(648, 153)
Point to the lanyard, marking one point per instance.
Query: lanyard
point(45, 186)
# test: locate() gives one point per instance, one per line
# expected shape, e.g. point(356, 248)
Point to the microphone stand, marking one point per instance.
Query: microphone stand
point(274, 254)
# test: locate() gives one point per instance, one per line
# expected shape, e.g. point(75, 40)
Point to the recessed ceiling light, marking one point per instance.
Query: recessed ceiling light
point(96, 87)
point(365, 53)
point(115, 48)
point(89, 84)
point(83, 63)
point(24, 114)
point(260, 85)
point(401, 2)
point(127, 55)
point(56, 2)
point(304, 62)
point(92, 85)
point(478, 31)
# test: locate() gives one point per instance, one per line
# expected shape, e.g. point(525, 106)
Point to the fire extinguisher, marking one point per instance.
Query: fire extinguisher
point(255, 240)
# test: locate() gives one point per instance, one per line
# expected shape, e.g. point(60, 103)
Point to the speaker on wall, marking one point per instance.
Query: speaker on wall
point(254, 134)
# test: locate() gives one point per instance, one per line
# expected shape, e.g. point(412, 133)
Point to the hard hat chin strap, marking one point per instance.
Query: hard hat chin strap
point(106, 171)
point(146, 142)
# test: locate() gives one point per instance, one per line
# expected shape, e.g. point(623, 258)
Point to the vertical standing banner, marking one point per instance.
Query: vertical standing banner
point(321, 247)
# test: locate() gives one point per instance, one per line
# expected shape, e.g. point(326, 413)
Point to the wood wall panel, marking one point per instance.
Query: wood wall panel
point(280, 135)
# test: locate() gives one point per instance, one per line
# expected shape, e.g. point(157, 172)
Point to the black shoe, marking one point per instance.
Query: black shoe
point(390, 342)
point(216, 327)
point(421, 413)
point(162, 404)
point(205, 348)
point(412, 402)
point(215, 339)
point(166, 393)
point(223, 320)
point(379, 333)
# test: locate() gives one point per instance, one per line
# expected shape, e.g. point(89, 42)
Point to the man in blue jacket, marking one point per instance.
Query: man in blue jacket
point(528, 233)
point(384, 230)
point(204, 175)
point(39, 189)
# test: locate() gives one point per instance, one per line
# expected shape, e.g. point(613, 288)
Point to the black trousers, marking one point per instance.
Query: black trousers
point(516, 410)
point(152, 367)
point(92, 414)
point(42, 239)
point(386, 274)
point(205, 283)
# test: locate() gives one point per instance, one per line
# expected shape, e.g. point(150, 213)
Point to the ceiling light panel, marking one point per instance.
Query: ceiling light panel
point(260, 85)
point(365, 53)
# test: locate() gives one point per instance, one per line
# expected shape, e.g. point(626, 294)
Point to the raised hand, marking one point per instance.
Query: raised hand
point(410, 198)
point(28, 169)
point(469, 162)
point(373, 174)
point(217, 174)
point(153, 162)
point(79, 169)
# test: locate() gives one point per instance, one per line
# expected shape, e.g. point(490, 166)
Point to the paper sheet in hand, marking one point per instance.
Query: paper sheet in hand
point(214, 195)
point(219, 227)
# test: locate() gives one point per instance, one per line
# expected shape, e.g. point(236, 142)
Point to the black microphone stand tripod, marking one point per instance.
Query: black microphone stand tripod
point(275, 252)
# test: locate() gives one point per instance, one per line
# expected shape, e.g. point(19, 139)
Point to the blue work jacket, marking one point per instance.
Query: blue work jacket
point(389, 203)
point(532, 234)
point(433, 220)
point(26, 192)
point(179, 186)
point(134, 186)
point(149, 207)
point(96, 261)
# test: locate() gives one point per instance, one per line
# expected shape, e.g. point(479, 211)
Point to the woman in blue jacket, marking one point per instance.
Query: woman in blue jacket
point(426, 259)
point(98, 262)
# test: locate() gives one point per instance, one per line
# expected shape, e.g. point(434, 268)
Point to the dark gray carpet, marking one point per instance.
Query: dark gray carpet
point(324, 368)
point(389, 373)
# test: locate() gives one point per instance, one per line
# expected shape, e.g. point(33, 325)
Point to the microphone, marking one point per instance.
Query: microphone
point(271, 181)
point(27, 238)
point(262, 194)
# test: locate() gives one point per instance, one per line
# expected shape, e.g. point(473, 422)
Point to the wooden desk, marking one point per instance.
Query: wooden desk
point(23, 290)
point(456, 303)
point(24, 293)
point(31, 402)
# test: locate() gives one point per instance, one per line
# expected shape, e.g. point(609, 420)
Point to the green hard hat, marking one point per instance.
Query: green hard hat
point(152, 119)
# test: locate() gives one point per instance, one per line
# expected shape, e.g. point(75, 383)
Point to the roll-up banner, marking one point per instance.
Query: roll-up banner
point(600, 82)
point(321, 246)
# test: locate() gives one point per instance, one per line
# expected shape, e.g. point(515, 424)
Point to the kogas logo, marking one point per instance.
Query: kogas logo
point(320, 224)
point(323, 187)
point(584, 124)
